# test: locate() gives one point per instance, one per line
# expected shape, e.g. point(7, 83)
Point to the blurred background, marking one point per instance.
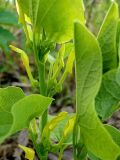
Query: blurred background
point(12, 71)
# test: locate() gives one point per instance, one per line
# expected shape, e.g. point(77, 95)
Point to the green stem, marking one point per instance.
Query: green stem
point(42, 83)
point(75, 142)
point(60, 154)
point(43, 91)
point(33, 134)
point(76, 139)
point(36, 146)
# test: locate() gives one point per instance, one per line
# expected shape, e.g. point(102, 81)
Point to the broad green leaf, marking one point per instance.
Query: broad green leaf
point(108, 98)
point(88, 77)
point(6, 38)
point(8, 97)
point(28, 108)
point(107, 38)
point(8, 18)
point(83, 153)
point(55, 16)
point(115, 133)
point(118, 47)
point(33, 10)
point(118, 37)
point(88, 67)
point(21, 111)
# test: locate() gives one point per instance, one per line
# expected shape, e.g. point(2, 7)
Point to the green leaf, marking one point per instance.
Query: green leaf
point(22, 20)
point(51, 125)
point(29, 152)
point(5, 39)
point(8, 18)
point(70, 62)
point(108, 98)
point(68, 49)
point(88, 67)
point(57, 133)
point(8, 97)
point(33, 10)
point(83, 153)
point(26, 64)
point(115, 133)
point(107, 38)
point(118, 37)
point(55, 16)
point(22, 111)
point(88, 77)
point(28, 108)
point(92, 156)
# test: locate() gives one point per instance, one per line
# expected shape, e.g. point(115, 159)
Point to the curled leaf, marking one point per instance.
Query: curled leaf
point(70, 61)
point(29, 153)
point(22, 18)
point(25, 61)
point(69, 127)
point(61, 55)
point(68, 69)
point(52, 124)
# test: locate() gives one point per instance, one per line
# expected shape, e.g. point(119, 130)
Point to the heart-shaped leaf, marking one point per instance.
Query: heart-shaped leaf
point(17, 110)
point(8, 97)
point(88, 77)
